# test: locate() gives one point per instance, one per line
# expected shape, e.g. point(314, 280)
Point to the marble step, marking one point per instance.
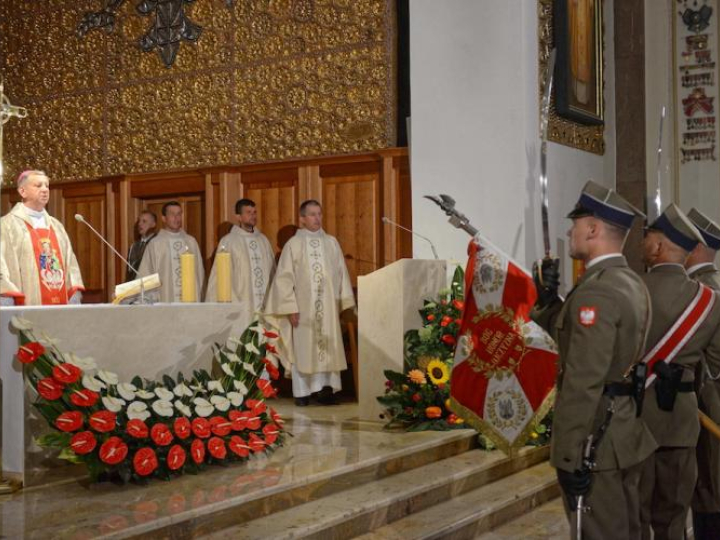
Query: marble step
point(361, 509)
point(546, 522)
point(479, 511)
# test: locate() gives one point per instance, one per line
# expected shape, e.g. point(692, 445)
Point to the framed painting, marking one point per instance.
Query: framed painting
point(578, 37)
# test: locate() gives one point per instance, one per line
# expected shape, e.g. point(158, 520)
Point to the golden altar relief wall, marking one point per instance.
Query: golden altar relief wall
point(268, 80)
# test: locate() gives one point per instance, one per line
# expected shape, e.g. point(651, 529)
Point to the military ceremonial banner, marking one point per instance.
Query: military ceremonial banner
point(504, 371)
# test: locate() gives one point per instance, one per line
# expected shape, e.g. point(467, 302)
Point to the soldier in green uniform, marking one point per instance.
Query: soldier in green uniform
point(706, 501)
point(600, 331)
point(671, 409)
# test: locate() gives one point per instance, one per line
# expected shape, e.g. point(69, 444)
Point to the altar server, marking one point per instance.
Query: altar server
point(38, 262)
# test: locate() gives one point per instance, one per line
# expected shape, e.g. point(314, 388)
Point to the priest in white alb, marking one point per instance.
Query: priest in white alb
point(163, 256)
point(310, 290)
point(251, 261)
point(38, 264)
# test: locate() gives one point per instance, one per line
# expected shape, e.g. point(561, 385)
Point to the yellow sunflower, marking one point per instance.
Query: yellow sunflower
point(438, 372)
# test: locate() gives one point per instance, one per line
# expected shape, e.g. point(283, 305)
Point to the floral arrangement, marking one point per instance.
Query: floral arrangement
point(418, 399)
point(142, 429)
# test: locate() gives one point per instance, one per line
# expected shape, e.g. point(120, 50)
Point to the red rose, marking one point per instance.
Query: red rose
point(113, 451)
point(176, 457)
point(458, 304)
point(270, 335)
point(271, 369)
point(416, 398)
point(66, 373)
point(182, 428)
point(253, 422)
point(197, 451)
point(270, 348)
point(216, 447)
point(452, 418)
point(69, 421)
point(445, 321)
point(50, 389)
point(431, 317)
point(257, 406)
point(201, 428)
point(137, 428)
point(276, 417)
point(256, 444)
point(238, 446)
point(271, 432)
point(145, 461)
point(448, 339)
point(161, 434)
point(220, 426)
point(83, 443)
point(458, 321)
point(102, 421)
point(267, 388)
point(84, 398)
point(30, 352)
point(238, 420)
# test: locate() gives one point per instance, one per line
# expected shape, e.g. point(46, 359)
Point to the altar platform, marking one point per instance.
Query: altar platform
point(336, 477)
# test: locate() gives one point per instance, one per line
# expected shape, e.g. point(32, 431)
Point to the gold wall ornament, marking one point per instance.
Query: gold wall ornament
point(561, 130)
point(269, 80)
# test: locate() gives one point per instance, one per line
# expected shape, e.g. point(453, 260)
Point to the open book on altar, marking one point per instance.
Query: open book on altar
point(131, 291)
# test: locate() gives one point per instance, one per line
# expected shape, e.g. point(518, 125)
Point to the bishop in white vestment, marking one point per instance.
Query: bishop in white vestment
point(310, 290)
point(162, 255)
point(252, 261)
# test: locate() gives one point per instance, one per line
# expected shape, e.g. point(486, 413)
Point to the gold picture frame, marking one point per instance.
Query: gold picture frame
point(589, 138)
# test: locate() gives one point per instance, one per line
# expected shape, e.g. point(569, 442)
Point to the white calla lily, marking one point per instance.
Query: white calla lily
point(108, 376)
point(144, 394)
point(236, 398)
point(252, 348)
point(18, 323)
point(91, 383)
point(215, 386)
point(113, 404)
point(163, 408)
point(184, 409)
point(182, 390)
point(164, 394)
point(86, 364)
point(240, 387)
point(233, 344)
point(257, 329)
point(250, 368)
point(221, 403)
point(227, 368)
point(198, 388)
point(233, 357)
point(137, 410)
point(127, 391)
point(203, 407)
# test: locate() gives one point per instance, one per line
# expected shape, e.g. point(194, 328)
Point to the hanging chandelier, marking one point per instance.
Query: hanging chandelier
point(170, 27)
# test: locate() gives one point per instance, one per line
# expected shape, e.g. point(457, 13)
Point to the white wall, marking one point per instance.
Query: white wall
point(475, 128)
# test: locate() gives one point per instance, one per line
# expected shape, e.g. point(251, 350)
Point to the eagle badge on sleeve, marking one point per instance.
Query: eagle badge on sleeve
point(588, 315)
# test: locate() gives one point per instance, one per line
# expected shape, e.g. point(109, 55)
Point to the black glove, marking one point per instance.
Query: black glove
point(574, 483)
point(546, 276)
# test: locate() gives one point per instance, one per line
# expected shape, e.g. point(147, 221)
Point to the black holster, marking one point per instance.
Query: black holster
point(668, 384)
point(635, 388)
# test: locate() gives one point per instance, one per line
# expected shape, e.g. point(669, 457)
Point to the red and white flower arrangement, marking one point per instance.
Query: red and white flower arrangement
point(142, 429)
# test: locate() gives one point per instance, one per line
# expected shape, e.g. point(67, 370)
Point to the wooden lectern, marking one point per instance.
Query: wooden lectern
point(388, 303)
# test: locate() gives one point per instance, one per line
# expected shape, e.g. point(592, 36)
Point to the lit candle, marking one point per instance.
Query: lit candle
point(224, 284)
point(187, 273)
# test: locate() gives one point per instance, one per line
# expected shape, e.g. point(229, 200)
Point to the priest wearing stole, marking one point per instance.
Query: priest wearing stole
point(163, 255)
point(310, 290)
point(252, 262)
point(38, 264)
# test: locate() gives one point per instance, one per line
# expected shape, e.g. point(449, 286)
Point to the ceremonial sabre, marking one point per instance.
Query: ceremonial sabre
point(544, 120)
point(7, 111)
point(658, 197)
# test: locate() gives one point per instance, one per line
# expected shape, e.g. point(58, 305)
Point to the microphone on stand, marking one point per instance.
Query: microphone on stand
point(432, 246)
point(81, 219)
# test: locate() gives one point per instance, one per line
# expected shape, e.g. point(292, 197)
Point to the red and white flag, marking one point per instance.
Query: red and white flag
point(505, 365)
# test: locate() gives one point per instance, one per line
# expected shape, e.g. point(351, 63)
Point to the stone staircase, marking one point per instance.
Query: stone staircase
point(463, 494)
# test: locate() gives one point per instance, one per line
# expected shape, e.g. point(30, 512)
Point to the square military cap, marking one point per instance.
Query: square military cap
point(709, 230)
point(676, 226)
point(601, 202)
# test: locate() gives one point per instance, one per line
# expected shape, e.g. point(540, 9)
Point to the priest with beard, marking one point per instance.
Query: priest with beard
point(310, 290)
